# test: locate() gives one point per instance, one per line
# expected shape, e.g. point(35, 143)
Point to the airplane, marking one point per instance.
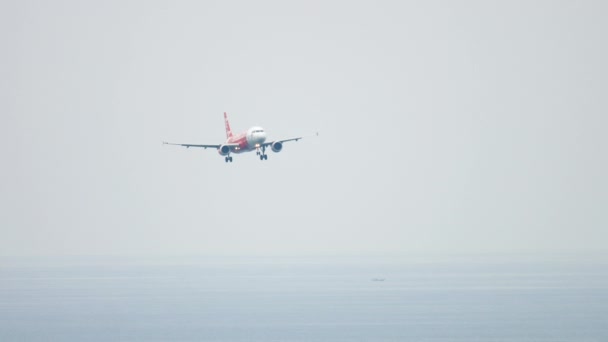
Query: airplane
point(252, 139)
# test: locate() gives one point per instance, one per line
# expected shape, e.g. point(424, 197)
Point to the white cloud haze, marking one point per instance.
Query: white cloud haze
point(471, 126)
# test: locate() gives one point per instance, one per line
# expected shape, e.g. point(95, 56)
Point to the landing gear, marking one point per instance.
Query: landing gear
point(228, 159)
point(262, 154)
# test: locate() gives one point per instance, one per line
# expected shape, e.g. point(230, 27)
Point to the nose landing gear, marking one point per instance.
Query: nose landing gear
point(262, 154)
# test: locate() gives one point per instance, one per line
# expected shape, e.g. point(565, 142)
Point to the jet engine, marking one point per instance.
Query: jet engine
point(223, 150)
point(276, 146)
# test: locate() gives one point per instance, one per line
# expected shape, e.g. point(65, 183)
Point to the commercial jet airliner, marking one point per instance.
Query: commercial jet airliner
point(250, 140)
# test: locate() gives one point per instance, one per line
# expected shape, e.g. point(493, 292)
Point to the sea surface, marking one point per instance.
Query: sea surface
point(409, 298)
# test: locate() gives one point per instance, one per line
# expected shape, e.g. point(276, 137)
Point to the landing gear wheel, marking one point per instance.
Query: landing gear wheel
point(230, 158)
point(265, 157)
point(261, 157)
point(226, 159)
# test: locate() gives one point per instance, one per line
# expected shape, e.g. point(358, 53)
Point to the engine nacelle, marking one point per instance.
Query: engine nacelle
point(276, 146)
point(223, 150)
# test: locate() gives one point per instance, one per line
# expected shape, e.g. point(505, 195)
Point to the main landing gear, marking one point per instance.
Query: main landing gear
point(228, 159)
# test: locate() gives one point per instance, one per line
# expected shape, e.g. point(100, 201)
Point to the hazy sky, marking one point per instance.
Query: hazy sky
point(446, 126)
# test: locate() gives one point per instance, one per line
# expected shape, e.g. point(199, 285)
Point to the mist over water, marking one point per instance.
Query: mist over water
point(420, 298)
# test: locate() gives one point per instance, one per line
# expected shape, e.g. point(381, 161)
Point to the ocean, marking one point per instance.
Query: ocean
point(406, 298)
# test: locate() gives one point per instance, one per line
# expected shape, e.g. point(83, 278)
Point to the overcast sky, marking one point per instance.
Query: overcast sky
point(445, 127)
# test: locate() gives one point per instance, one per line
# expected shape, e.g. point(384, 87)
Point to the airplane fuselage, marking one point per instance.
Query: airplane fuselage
point(247, 141)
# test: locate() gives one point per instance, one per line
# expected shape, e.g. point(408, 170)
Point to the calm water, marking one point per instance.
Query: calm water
point(477, 298)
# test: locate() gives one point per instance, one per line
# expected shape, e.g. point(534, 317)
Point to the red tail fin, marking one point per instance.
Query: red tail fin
point(228, 130)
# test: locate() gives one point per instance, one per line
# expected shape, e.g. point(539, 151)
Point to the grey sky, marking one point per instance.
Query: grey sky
point(446, 126)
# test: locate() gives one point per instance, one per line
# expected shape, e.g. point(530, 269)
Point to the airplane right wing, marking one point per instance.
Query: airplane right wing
point(195, 145)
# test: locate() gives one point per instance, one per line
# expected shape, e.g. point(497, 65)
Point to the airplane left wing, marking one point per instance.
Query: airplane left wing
point(270, 143)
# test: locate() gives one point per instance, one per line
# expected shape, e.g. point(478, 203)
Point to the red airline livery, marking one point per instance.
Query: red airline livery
point(250, 140)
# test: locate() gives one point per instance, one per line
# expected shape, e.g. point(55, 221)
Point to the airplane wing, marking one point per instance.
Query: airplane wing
point(200, 145)
point(268, 143)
